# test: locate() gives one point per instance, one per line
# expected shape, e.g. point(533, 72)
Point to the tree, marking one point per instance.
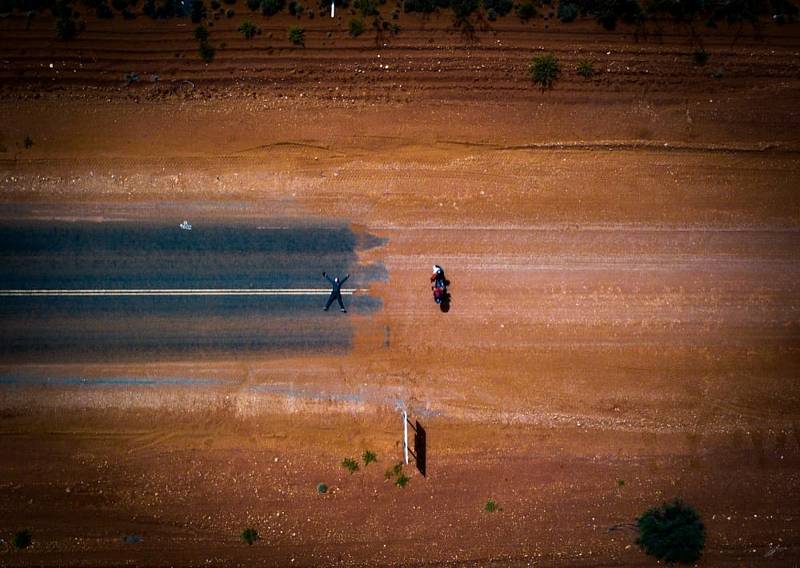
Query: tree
point(22, 539)
point(356, 27)
point(250, 535)
point(672, 532)
point(545, 70)
point(248, 29)
point(463, 9)
point(500, 7)
point(297, 35)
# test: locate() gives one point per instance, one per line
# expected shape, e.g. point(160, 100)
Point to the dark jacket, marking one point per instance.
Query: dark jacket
point(336, 286)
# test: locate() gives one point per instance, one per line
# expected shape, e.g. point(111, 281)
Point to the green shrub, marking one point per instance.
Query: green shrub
point(322, 489)
point(297, 35)
point(368, 457)
point(421, 6)
point(356, 27)
point(491, 15)
point(567, 12)
point(608, 12)
point(544, 70)
point(248, 29)
point(585, 69)
point(22, 539)
point(672, 532)
point(271, 7)
point(463, 9)
point(491, 506)
point(103, 11)
point(525, 10)
point(366, 8)
point(206, 52)
point(66, 29)
point(700, 57)
point(350, 465)
point(295, 8)
point(402, 480)
point(198, 12)
point(201, 34)
point(500, 7)
point(250, 535)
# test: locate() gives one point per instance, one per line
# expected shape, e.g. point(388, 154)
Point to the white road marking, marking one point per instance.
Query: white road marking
point(184, 292)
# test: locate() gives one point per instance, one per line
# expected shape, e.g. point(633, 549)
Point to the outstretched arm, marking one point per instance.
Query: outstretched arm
point(328, 278)
point(343, 280)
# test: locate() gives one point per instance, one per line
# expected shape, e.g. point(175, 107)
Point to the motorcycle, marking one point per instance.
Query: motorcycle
point(439, 286)
point(439, 290)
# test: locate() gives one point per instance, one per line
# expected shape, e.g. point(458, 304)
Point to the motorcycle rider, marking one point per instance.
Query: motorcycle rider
point(437, 278)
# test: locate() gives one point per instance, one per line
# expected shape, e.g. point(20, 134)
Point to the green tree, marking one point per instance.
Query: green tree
point(544, 70)
point(672, 532)
point(356, 27)
point(248, 29)
point(297, 35)
point(250, 535)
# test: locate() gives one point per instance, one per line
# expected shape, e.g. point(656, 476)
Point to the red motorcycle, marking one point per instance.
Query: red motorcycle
point(439, 286)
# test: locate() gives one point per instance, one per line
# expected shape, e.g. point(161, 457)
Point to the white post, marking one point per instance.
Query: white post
point(332, 8)
point(405, 436)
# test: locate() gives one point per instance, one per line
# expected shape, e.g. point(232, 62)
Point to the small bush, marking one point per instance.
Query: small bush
point(198, 11)
point(295, 8)
point(322, 489)
point(394, 27)
point(103, 11)
point(620, 482)
point(253, 5)
point(402, 480)
point(229, 13)
point(672, 532)
point(297, 35)
point(206, 52)
point(500, 7)
point(356, 27)
point(22, 539)
point(491, 506)
point(525, 10)
point(700, 57)
point(368, 457)
point(545, 70)
point(350, 465)
point(421, 6)
point(567, 12)
point(585, 69)
point(463, 9)
point(491, 15)
point(248, 29)
point(66, 28)
point(271, 7)
point(201, 33)
point(366, 8)
point(250, 535)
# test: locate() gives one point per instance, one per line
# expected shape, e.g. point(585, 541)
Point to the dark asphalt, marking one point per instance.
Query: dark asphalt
point(135, 255)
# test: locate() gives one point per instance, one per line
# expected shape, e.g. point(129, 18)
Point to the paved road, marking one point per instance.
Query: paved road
point(121, 290)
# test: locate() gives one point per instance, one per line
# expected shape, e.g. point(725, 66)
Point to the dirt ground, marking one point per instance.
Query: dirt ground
point(625, 325)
